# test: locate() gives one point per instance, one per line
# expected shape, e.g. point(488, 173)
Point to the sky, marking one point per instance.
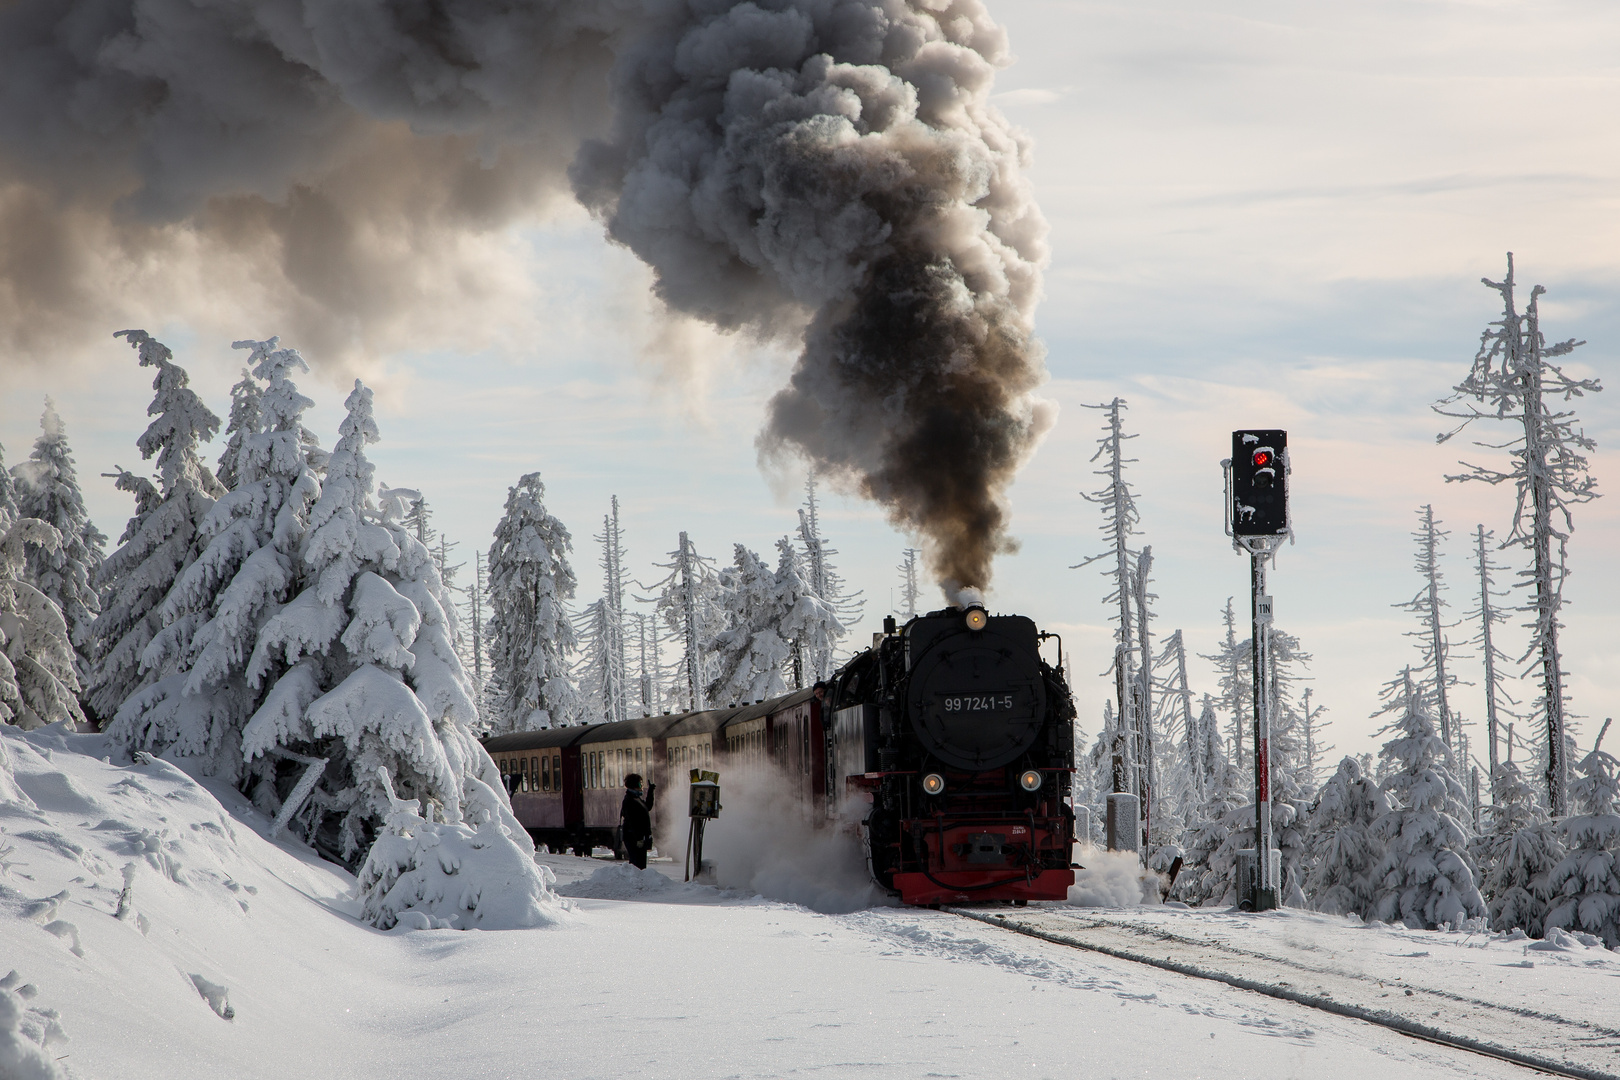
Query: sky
point(1263, 215)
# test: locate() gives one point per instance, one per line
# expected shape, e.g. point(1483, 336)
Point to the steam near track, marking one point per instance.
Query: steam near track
point(824, 171)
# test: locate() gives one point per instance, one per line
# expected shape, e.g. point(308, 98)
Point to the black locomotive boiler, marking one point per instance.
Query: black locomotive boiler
point(947, 746)
point(962, 736)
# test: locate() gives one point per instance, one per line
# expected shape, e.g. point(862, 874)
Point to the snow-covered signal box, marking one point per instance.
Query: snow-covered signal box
point(1259, 491)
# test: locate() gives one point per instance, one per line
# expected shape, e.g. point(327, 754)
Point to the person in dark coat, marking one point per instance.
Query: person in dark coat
point(635, 819)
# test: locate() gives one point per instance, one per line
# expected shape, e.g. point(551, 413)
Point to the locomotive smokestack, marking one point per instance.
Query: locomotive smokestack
point(824, 172)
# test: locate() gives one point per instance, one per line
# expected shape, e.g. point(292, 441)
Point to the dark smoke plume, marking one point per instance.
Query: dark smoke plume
point(823, 169)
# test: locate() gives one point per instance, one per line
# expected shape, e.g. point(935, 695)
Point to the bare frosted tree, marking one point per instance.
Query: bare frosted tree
point(1514, 380)
point(826, 583)
point(1314, 750)
point(908, 583)
point(602, 627)
point(1488, 616)
point(1120, 520)
point(1431, 632)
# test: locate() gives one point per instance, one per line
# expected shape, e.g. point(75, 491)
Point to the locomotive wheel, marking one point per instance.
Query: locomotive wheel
point(1020, 903)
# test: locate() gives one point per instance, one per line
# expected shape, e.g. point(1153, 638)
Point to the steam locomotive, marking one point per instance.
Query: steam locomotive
point(947, 747)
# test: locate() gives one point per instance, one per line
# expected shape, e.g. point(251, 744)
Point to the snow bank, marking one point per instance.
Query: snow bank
point(26, 1034)
point(1111, 879)
point(762, 844)
point(622, 881)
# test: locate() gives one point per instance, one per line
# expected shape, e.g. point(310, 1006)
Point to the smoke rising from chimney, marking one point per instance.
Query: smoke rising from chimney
point(826, 171)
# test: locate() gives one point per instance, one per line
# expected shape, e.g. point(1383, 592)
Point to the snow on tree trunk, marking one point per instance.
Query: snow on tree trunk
point(1427, 878)
point(1517, 855)
point(359, 666)
point(200, 699)
point(1346, 849)
point(1513, 379)
point(1585, 885)
point(48, 489)
point(478, 873)
point(164, 537)
point(37, 683)
point(530, 632)
point(1489, 616)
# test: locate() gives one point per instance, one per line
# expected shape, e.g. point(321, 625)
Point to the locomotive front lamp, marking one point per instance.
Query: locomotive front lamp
point(933, 783)
point(977, 619)
point(1030, 781)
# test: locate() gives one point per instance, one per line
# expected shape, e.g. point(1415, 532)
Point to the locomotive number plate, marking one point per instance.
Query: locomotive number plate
point(977, 702)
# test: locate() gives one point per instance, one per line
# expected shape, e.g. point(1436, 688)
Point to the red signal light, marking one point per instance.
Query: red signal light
point(1262, 458)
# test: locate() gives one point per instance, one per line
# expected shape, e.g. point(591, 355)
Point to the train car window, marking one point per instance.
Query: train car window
point(523, 775)
point(556, 772)
point(534, 773)
point(545, 774)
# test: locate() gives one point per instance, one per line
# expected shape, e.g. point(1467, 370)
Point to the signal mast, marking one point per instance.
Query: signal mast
point(1257, 520)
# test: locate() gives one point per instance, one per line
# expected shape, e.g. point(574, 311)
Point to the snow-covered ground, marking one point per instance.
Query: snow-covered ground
point(150, 921)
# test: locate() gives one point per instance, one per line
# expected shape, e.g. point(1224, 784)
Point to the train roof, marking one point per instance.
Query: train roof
point(643, 727)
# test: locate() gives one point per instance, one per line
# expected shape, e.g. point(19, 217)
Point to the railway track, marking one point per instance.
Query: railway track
point(1543, 1041)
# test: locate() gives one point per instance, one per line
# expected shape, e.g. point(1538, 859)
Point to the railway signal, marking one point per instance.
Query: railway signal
point(1258, 522)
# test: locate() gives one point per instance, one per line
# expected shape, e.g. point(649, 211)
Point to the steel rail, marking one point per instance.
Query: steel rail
point(1398, 1024)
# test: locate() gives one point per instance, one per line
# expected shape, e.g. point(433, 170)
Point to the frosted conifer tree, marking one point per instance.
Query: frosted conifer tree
point(530, 632)
point(603, 628)
point(1489, 615)
point(359, 667)
point(909, 591)
point(243, 424)
point(8, 491)
point(1222, 823)
point(1513, 379)
point(1517, 855)
point(1231, 660)
point(750, 653)
point(819, 650)
point(688, 602)
point(200, 699)
point(163, 538)
point(48, 489)
point(1120, 519)
point(1585, 885)
point(1426, 878)
point(1437, 682)
point(807, 620)
point(1346, 847)
point(37, 683)
point(1310, 719)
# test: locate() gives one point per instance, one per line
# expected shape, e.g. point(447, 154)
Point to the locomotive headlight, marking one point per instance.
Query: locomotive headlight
point(933, 783)
point(977, 619)
point(1030, 781)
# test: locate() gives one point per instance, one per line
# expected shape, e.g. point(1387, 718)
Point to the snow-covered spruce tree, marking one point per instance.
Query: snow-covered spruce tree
point(750, 653)
point(1513, 379)
point(530, 632)
point(243, 424)
point(1231, 660)
point(1517, 855)
point(473, 873)
point(810, 622)
point(48, 489)
point(8, 489)
point(1427, 605)
point(1346, 849)
point(1222, 823)
point(819, 649)
point(1426, 878)
point(359, 667)
point(162, 539)
point(200, 700)
point(37, 683)
point(688, 602)
point(1584, 887)
point(604, 676)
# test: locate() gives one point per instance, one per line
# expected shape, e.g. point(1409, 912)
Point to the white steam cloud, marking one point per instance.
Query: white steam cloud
point(825, 171)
